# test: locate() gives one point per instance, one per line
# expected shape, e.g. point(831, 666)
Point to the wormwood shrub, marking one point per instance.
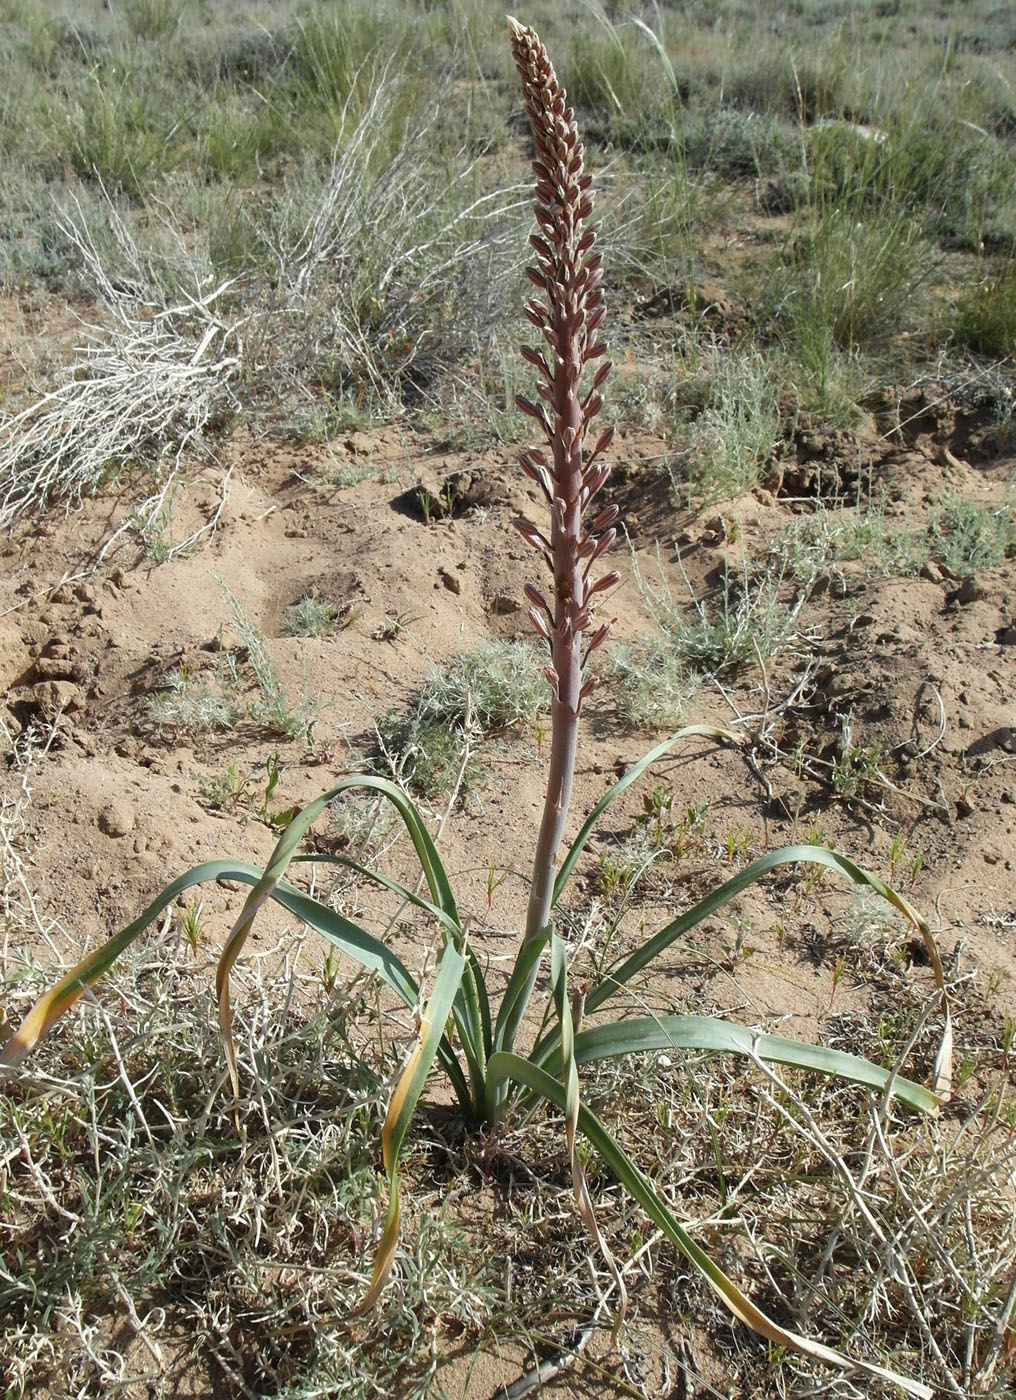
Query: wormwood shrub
point(738, 429)
point(651, 682)
point(481, 692)
point(965, 536)
point(472, 1039)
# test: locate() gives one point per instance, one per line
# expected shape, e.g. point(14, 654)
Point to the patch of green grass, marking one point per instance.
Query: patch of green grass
point(985, 315)
point(330, 55)
point(747, 628)
point(426, 756)
point(219, 699)
point(240, 135)
point(231, 790)
point(850, 282)
point(154, 19)
point(189, 702)
point(661, 836)
point(953, 177)
point(738, 145)
point(324, 417)
point(854, 768)
point(621, 81)
point(803, 83)
point(310, 617)
point(272, 708)
point(116, 135)
point(34, 251)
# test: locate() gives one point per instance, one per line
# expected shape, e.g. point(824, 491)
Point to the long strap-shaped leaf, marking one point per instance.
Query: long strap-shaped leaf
point(356, 942)
point(641, 1034)
point(426, 851)
point(285, 850)
point(529, 955)
point(615, 978)
point(505, 1066)
point(59, 999)
point(704, 731)
point(376, 957)
point(472, 1011)
point(378, 877)
point(570, 1080)
point(472, 1006)
point(403, 1105)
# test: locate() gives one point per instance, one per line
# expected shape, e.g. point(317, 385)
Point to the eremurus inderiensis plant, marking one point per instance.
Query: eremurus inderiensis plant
point(457, 1028)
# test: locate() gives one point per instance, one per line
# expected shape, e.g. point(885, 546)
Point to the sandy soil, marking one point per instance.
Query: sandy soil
point(923, 666)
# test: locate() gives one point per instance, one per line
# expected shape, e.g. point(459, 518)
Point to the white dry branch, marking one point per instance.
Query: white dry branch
point(377, 273)
point(142, 389)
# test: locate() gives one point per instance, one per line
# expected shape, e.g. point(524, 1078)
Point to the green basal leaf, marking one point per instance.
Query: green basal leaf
point(569, 1015)
point(505, 1066)
point(404, 1100)
point(649, 1033)
point(622, 973)
point(529, 955)
point(472, 1007)
point(60, 998)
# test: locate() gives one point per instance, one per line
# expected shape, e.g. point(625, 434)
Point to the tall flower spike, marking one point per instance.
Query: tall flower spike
point(568, 312)
point(568, 273)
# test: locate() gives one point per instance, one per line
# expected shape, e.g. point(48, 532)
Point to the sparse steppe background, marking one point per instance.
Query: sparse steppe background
point(260, 300)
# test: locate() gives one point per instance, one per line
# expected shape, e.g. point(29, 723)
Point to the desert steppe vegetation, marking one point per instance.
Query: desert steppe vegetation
point(262, 298)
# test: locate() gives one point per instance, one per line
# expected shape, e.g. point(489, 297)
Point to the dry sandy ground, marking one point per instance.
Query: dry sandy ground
point(924, 666)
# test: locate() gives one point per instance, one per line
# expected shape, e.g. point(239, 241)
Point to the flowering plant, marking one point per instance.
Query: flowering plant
point(459, 1028)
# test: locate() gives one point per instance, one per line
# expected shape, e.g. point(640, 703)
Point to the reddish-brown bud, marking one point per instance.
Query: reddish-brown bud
point(602, 443)
point(537, 473)
point(537, 599)
point(596, 640)
point(606, 517)
point(535, 358)
point(532, 536)
point(607, 581)
point(535, 411)
point(593, 480)
point(541, 625)
point(588, 685)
